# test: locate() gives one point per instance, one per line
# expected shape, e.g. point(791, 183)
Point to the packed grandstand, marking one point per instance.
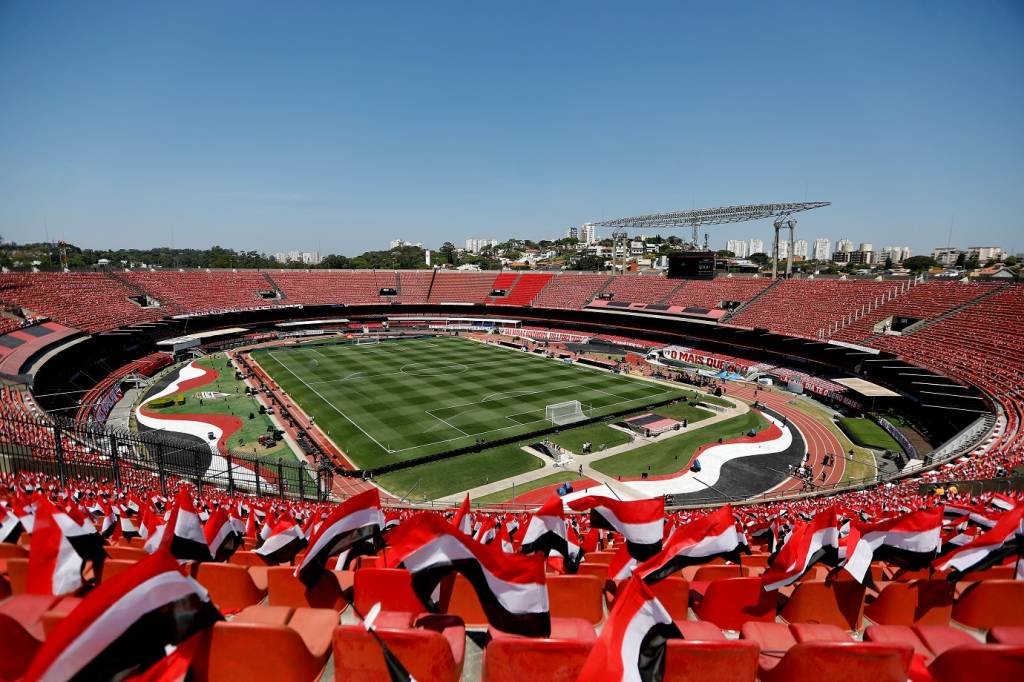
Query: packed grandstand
point(304, 475)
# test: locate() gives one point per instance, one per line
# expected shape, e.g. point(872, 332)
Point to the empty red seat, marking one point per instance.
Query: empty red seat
point(576, 596)
point(775, 639)
point(839, 602)
point(701, 661)
point(674, 594)
point(979, 662)
point(731, 603)
point(699, 630)
point(918, 602)
point(126, 553)
point(269, 643)
point(9, 549)
point(230, 586)
point(433, 649)
point(17, 574)
point(991, 603)
point(927, 640)
point(464, 603)
point(390, 587)
point(1006, 634)
point(287, 590)
point(842, 662)
point(559, 658)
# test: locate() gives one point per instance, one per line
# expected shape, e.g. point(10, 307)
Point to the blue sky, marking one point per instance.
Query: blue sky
point(272, 125)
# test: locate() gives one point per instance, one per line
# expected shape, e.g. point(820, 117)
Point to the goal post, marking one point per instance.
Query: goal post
point(565, 413)
point(367, 340)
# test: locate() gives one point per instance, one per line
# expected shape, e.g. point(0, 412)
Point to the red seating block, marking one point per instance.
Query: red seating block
point(287, 590)
point(230, 586)
point(731, 603)
point(839, 603)
point(700, 661)
point(510, 658)
point(432, 650)
point(991, 603)
point(576, 596)
point(979, 662)
point(391, 587)
point(918, 602)
point(842, 662)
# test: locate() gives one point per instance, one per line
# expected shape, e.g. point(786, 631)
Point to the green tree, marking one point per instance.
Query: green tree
point(919, 263)
point(761, 259)
point(588, 263)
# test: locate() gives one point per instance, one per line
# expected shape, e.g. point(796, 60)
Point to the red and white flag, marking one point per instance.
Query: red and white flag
point(126, 624)
point(222, 535)
point(359, 519)
point(988, 549)
point(810, 542)
point(639, 521)
point(631, 646)
point(283, 543)
point(546, 533)
point(61, 545)
point(911, 541)
point(511, 587)
point(696, 542)
point(464, 518)
point(183, 535)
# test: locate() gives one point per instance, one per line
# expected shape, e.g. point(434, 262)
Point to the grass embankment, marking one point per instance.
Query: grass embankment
point(861, 466)
point(866, 433)
point(674, 454)
point(238, 404)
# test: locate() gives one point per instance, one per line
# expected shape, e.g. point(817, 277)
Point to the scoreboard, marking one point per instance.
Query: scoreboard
point(692, 265)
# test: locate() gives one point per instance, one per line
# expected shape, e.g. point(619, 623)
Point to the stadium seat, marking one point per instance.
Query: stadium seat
point(674, 594)
point(268, 643)
point(559, 658)
point(246, 558)
point(230, 586)
point(284, 589)
point(124, 553)
point(918, 602)
point(433, 649)
point(927, 640)
point(731, 603)
point(465, 604)
point(699, 630)
point(979, 662)
point(114, 567)
point(576, 596)
point(701, 661)
point(1006, 634)
point(17, 574)
point(840, 603)
point(775, 639)
point(597, 570)
point(391, 587)
point(991, 603)
point(842, 662)
point(17, 647)
point(10, 550)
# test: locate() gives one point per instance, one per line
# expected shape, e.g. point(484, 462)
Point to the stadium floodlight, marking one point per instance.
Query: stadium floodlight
point(565, 413)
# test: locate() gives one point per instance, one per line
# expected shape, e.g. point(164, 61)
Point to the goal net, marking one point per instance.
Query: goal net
point(564, 413)
point(367, 340)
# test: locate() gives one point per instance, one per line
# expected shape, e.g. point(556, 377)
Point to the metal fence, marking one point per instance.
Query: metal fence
point(157, 459)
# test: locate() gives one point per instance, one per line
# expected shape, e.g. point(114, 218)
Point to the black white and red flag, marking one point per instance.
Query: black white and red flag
point(546, 533)
point(640, 522)
point(183, 535)
point(511, 587)
point(359, 520)
point(61, 546)
point(223, 536)
point(696, 542)
point(126, 625)
point(910, 541)
point(809, 542)
point(1005, 539)
point(464, 518)
point(283, 543)
point(10, 526)
point(632, 643)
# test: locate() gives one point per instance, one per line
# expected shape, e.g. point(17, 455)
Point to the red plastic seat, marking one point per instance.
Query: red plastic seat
point(918, 602)
point(842, 662)
point(464, 603)
point(1006, 634)
point(674, 594)
point(246, 558)
point(284, 589)
point(700, 661)
point(10, 550)
point(390, 587)
point(979, 662)
point(700, 631)
point(731, 603)
point(775, 639)
point(985, 605)
point(126, 553)
point(559, 658)
point(17, 574)
point(230, 586)
point(17, 647)
point(839, 603)
point(927, 640)
point(269, 643)
point(434, 649)
point(576, 596)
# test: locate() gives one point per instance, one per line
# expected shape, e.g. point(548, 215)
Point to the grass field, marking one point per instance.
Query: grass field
point(401, 400)
point(600, 436)
point(506, 494)
point(673, 454)
point(865, 432)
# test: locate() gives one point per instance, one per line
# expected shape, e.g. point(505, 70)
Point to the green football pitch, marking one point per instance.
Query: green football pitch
point(404, 399)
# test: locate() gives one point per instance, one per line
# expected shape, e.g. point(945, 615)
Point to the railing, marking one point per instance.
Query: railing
point(156, 459)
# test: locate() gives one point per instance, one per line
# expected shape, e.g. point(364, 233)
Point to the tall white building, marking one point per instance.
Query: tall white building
point(738, 247)
point(304, 257)
point(756, 246)
point(396, 243)
point(844, 246)
point(984, 253)
point(573, 233)
point(478, 245)
point(800, 248)
point(588, 233)
point(866, 246)
point(821, 249)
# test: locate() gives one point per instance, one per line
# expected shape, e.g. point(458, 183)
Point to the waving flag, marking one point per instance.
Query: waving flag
point(546, 532)
point(126, 624)
point(511, 587)
point(284, 541)
point(639, 521)
point(358, 519)
point(809, 542)
point(10, 527)
point(988, 549)
point(183, 534)
point(60, 547)
point(632, 642)
point(222, 535)
point(621, 566)
point(464, 519)
point(696, 542)
point(911, 541)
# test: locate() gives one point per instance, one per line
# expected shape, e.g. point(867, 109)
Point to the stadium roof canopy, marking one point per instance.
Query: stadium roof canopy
point(867, 388)
point(713, 216)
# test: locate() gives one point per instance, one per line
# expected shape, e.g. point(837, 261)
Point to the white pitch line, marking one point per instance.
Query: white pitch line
point(329, 403)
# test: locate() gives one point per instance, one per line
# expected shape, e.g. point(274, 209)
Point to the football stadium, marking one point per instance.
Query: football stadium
point(620, 454)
